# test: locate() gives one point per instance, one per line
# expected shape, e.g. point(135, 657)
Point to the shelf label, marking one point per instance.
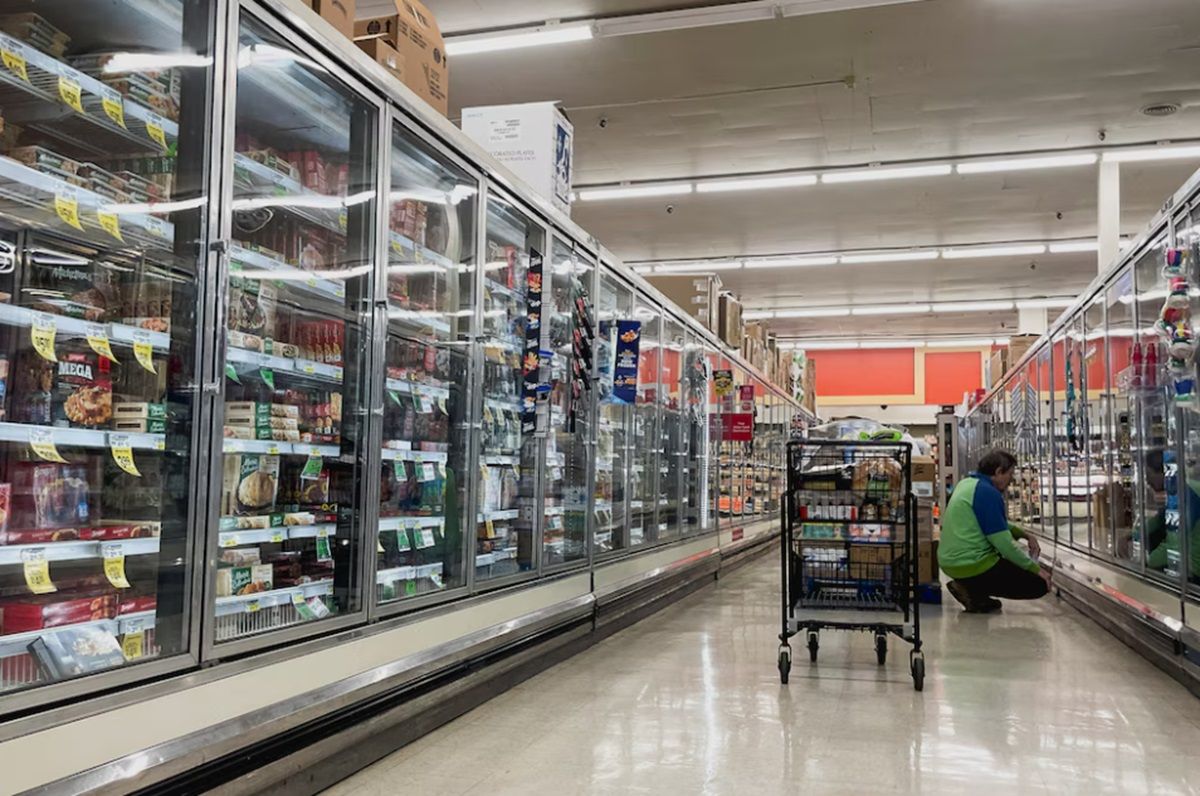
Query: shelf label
point(70, 93)
point(395, 396)
point(399, 470)
point(110, 223)
point(122, 453)
point(37, 571)
point(490, 525)
point(41, 335)
point(154, 129)
point(303, 609)
point(155, 226)
point(277, 537)
point(133, 644)
point(252, 606)
point(230, 373)
point(42, 443)
point(97, 338)
point(14, 60)
point(441, 405)
point(66, 205)
point(113, 104)
point(323, 551)
point(229, 540)
point(425, 472)
point(312, 468)
point(268, 377)
point(114, 565)
point(143, 351)
point(410, 588)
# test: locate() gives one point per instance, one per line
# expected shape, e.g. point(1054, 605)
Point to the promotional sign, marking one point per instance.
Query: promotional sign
point(531, 361)
point(625, 369)
point(723, 383)
point(738, 427)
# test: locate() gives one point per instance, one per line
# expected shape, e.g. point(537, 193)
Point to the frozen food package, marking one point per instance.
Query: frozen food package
point(47, 495)
point(251, 483)
point(82, 390)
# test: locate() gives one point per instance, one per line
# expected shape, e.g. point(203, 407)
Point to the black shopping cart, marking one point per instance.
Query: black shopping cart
point(850, 547)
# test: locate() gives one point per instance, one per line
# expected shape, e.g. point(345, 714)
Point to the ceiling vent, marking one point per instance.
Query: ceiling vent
point(1161, 109)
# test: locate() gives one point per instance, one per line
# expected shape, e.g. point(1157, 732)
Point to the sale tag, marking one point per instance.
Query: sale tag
point(277, 537)
point(395, 396)
point(410, 588)
point(122, 453)
point(491, 528)
point(402, 542)
point(312, 468)
point(425, 472)
point(133, 645)
point(114, 566)
point(154, 129)
point(97, 338)
point(252, 607)
point(42, 443)
point(41, 334)
point(66, 205)
point(113, 105)
point(441, 405)
point(268, 377)
point(302, 607)
point(143, 351)
point(37, 571)
point(399, 470)
point(229, 540)
point(70, 93)
point(323, 551)
point(230, 373)
point(15, 62)
point(110, 223)
point(487, 415)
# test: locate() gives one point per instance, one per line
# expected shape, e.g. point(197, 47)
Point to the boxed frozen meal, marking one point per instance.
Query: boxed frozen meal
point(38, 613)
point(82, 390)
point(251, 483)
point(253, 579)
point(47, 496)
point(76, 651)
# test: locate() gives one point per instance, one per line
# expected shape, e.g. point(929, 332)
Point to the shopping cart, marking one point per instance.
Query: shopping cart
point(850, 547)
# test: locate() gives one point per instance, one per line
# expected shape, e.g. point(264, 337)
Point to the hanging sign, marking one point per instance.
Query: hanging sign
point(625, 366)
point(531, 362)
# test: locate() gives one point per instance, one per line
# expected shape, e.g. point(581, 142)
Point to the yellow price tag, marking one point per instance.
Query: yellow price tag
point(517, 470)
point(110, 223)
point(70, 93)
point(122, 453)
point(97, 338)
point(154, 129)
point(42, 443)
point(229, 541)
point(37, 571)
point(113, 105)
point(66, 205)
point(441, 404)
point(252, 607)
point(133, 645)
point(487, 414)
point(15, 62)
point(41, 335)
point(114, 566)
point(277, 537)
point(379, 546)
point(491, 528)
point(143, 350)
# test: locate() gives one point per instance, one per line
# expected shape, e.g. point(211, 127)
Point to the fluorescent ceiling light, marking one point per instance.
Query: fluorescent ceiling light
point(993, 251)
point(889, 257)
point(800, 8)
point(701, 266)
point(643, 269)
point(1045, 304)
point(1074, 247)
point(140, 62)
point(757, 315)
point(756, 183)
point(1144, 154)
point(893, 343)
point(814, 312)
point(886, 173)
point(965, 342)
point(1026, 163)
point(825, 345)
point(973, 306)
point(664, 21)
point(892, 309)
point(635, 191)
point(514, 40)
point(790, 262)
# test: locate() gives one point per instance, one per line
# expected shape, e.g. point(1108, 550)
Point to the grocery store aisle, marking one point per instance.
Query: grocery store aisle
point(1037, 699)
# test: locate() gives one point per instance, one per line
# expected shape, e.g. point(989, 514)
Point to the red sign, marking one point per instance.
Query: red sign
point(738, 533)
point(738, 427)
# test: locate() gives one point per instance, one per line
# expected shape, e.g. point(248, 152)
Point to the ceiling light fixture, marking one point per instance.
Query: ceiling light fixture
point(814, 312)
point(1045, 303)
point(514, 40)
point(973, 306)
point(1026, 163)
point(892, 309)
point(757, 315)
point(994, 251)
point(884, 344)
point(790, 262)
point(1074, 247)
point(756, 183)
point(889, 257)
point(966, 342)
point(700, 267)
point(825, 345)
point(635, 191)
point(886, 173)
point(1144, 154)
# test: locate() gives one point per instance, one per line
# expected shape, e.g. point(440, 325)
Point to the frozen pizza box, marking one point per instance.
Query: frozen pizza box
point(76, 651)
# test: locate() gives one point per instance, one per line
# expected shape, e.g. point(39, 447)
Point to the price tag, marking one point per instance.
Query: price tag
point(410, 588)
point(37, 571)
point(312, 468)
point(399, 470)
point(427, 539)
point(441, 405)
point(323, 551)
point(110, 223)
point(154, 129)
point(143, 352)
point(487, 414)
point(395, 396)
point(114, 566)
point(133, 644)
point(97, 338)
point(252, 606)
point(402, 542)
point(379, 546)
point(440, 469)
point(272, 450)
point(425, 405)
point(303, 609)
point(42, 443)
point(425, 472)
point(122, 453)
point(230, 540)
point(41, 335)
point(268, 377)
point(66, 205)
point(14, 59)
point(113, 105)
point(70, 93)
point(277, 537)
point(491, 528)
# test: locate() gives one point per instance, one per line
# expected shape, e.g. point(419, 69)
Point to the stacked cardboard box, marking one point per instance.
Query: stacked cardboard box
point(413, 34)
point(339, 13)
point(1017, 347)
point(695, 295)
point(927, 569)
point(729, 320)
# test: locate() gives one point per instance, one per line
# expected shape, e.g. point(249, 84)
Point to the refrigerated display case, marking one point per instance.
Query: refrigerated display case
point(672, 439)
point(615, 413)
point(645, 439)
point(103, 193)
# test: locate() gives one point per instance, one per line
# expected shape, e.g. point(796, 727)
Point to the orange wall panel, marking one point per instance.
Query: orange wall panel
point(951, 373)
point(848, 373)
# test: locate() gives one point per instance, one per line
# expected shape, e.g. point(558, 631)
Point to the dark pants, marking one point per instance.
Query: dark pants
point(1006, 580)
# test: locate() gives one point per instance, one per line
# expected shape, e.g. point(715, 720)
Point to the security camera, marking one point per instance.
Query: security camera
point(883, 407)
point(670, 209)
point(603, 122)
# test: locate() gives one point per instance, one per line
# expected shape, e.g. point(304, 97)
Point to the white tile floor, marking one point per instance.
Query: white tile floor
point(1035, 700)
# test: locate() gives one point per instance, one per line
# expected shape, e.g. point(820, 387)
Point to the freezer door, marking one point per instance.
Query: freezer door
point(287, 540)
point(103, 197)
point(616, 360)
point(429, 279)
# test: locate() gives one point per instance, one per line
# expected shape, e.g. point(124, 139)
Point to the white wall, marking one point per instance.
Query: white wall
point(903, 415)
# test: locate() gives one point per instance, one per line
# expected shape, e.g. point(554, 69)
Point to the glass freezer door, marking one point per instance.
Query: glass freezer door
point(287, 546)
point(430, 278)
point(615, 311)
point(102, 201)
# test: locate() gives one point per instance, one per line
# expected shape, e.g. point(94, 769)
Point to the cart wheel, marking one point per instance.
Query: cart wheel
point(918, 672)
point(785, 663)
point(881, 649)
point(813, 646)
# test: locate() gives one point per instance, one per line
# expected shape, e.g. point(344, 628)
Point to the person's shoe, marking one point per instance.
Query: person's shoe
point(989, 606)
point(962, 595)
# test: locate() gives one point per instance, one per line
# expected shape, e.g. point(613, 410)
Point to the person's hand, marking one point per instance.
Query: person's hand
point(1046, 575)
point(1035, 549)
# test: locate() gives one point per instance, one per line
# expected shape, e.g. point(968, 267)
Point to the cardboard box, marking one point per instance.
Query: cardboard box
point(1018, 345)
point(414, 32)
point(927, 568)
point(729, 324)
point(695, 295)
point(871, 561)
point(535, 140)
point(924, 469)
point(339, 13)
point(997, 367)
point(925, 519)
point(386, 56)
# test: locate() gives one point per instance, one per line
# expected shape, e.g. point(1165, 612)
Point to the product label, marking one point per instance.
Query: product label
point(41, 334)
point(323, 551)
point(154, 129)
point(110, 223)
point(113, 105)
point(268, 377)
point(312, 468)
point(428, 472)
point(143, 351)
point(122, 453)
point(114, 566)
point(252, 607)
point(133, 644)
point(302, 608)
point(37, 571)
point(66, 205)
point(14, 60)
point(70, 93)
point(42, 443)
point(97, 338)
